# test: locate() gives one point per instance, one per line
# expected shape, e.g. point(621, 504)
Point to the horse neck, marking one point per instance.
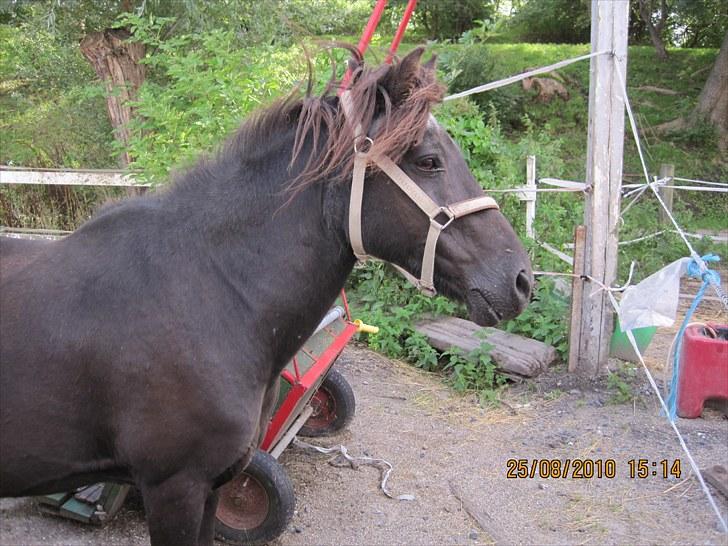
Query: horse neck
point(286, 261)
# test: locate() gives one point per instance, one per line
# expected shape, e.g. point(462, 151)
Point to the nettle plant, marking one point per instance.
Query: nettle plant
point(546, 318)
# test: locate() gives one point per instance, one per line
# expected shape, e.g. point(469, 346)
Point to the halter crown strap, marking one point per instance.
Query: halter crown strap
point(361, 160)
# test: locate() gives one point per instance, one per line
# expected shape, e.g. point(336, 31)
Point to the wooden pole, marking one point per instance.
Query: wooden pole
point(530, 196)
point(609, 21)
point(577, 295)
point(666, 171)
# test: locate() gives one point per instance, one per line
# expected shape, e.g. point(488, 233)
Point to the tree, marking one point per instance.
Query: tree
point(712, 104)
point(552, 21)
point(448, 20)
point(115, 58)
point(655, 19)
point(699, 23)
point(713, 99)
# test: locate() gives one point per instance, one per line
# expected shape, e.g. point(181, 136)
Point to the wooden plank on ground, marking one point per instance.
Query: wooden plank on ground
point(482, 518)
point(511, 353)
point(717, 476)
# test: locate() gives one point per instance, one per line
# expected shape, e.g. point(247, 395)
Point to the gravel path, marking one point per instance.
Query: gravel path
point(452, 456)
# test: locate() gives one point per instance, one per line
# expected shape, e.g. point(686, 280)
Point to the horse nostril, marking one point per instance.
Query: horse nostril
point(523, 285)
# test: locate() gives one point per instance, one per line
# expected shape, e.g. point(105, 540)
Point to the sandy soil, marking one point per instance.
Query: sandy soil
point(452, 456)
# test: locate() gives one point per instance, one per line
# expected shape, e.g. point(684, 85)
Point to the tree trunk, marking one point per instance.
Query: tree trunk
point(713, 99)
point(655, 30)
point(712, 102)
point(115, 60)
point(657, 42)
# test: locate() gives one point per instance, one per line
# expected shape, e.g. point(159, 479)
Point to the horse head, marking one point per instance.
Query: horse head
point(413, 200)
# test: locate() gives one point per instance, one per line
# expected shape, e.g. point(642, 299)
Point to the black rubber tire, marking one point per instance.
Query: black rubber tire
point(270, 480)
point(338, 396)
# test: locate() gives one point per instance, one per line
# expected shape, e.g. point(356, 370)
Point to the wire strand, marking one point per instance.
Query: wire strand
point(522, 76)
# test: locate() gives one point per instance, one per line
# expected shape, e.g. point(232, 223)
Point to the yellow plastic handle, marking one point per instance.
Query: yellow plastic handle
point(366, 328)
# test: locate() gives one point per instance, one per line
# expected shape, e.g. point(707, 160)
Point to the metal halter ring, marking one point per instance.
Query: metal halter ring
point(365, 139)
point(447, 212)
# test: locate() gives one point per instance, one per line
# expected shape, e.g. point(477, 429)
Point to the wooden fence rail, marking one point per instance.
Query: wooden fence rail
point(69, 177)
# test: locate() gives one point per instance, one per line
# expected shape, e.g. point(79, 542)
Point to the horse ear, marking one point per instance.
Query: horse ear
point(404, 76)
point(430, 65)
point(353, 64)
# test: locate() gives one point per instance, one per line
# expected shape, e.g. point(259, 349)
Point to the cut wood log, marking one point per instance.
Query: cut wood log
point(481, 517)
point(511, 353)
point(658, 90)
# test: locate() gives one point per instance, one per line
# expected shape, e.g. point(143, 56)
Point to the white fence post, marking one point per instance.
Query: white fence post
point(530, 195)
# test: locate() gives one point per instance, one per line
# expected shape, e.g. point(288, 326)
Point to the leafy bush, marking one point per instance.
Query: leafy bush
point(35, 62)
point(546, 318)
point(554, 21)
point(202, 88)
point(49, 114)
point(475, 371)
point(472, 65)
point(448, 20)
point(328, 17)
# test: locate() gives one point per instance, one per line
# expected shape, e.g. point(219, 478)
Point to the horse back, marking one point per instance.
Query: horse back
point(16, 253)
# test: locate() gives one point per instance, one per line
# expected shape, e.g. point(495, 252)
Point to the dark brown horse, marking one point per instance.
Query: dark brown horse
point(146, 346)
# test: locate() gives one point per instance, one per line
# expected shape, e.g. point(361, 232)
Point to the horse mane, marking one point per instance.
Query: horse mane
point(398, 96)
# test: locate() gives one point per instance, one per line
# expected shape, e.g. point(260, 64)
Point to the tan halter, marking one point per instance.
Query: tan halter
point(361, 161)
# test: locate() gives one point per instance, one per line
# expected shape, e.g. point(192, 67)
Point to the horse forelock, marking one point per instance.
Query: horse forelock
point(393, 112)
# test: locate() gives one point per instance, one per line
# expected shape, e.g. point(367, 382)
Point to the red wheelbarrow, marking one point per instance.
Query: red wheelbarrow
point(257, 505)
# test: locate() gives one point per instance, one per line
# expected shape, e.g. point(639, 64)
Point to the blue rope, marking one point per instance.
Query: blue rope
point(708, 276)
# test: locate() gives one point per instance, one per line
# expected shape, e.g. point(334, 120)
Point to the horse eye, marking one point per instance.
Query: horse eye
point(429, 164)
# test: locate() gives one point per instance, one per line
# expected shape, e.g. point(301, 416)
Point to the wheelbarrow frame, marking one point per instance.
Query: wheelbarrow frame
point(294, 411)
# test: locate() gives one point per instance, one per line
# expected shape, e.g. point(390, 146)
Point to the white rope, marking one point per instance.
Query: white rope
point(657, 233)
point(694, 181)
point(658, 181)
point(632, 123)
point(522, 76)
point(640, 193)
point(644, 238)
point(661, 183)
point(695, 188)
point(559, 186)
point(694, 255)
point(371, 461)
point(655, 388)
point(559, 183)
point(527, 189)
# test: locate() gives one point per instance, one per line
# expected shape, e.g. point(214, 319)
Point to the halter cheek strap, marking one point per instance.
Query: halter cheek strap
point(361, 161)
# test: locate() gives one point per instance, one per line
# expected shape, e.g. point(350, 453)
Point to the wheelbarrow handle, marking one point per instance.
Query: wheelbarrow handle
point(366, 328)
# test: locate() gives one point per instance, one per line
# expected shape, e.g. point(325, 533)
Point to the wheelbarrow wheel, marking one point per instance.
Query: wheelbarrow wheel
point(257, 505)
point(333, 407)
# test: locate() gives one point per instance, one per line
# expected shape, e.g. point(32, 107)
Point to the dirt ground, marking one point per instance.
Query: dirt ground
point(452, 455)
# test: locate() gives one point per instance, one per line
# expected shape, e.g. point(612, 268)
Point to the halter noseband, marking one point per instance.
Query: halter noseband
point(361, 161)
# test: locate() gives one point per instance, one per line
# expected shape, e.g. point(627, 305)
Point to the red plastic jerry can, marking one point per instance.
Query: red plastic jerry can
point(703, 368)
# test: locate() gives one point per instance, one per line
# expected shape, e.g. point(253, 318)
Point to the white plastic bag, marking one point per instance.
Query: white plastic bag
point(653, 302)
